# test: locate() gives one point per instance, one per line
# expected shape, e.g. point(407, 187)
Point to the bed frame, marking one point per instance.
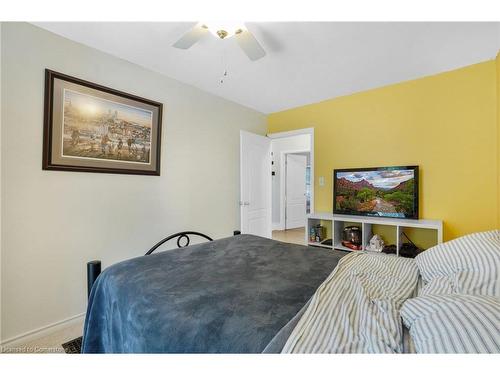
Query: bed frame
point(94, 266)
point(179, 236)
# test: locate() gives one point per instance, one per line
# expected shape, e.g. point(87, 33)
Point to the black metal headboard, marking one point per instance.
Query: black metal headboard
point(179, 236)
point(94, 267)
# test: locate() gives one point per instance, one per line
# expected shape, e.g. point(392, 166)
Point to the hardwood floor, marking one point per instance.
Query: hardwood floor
point(296, 235)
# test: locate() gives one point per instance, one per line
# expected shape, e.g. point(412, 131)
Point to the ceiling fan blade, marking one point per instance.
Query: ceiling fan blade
point(249, 45)
point(191, 37)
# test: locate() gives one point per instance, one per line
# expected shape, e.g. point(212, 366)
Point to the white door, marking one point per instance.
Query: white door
point(295, 191)
point(255, 184)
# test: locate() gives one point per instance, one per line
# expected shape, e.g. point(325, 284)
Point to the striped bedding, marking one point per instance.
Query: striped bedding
point(454, 323)
point(458, 308)
point(356, 309)
point(466, 265)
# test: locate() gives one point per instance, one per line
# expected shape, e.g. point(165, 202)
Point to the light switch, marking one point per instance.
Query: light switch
point(321, 181)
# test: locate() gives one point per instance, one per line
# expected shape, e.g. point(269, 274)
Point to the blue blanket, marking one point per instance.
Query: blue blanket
point(227, 296)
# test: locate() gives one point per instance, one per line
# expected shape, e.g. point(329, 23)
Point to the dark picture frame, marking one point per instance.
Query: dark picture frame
point(93, 128)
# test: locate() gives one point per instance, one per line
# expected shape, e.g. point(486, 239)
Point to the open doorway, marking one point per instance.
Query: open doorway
point(297, 199)
point(264, 191)
point(292, 183)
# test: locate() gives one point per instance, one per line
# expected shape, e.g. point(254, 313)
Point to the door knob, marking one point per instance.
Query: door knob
point(244, 203)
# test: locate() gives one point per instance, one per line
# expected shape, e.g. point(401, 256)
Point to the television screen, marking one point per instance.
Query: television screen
point(385, 192)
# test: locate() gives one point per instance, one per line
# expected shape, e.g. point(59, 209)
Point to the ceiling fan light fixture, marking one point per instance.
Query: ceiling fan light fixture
point(222, 33)
point(224, 29)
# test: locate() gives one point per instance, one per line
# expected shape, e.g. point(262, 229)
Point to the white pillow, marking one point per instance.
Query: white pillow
point(453, 323)
point(469, 265)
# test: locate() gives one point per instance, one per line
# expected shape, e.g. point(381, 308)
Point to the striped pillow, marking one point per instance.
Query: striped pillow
point(438, 285)
point(453, 323)
point(468, 265)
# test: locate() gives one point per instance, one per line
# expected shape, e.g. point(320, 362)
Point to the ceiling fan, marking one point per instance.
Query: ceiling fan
point(243, 37)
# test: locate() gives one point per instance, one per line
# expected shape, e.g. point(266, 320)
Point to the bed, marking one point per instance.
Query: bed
point(248, 294)
point(231, 295)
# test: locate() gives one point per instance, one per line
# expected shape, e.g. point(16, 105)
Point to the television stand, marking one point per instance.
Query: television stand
point(430, 232)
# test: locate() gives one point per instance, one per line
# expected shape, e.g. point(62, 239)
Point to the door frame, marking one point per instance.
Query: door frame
point(287, 134)
point(283, 186)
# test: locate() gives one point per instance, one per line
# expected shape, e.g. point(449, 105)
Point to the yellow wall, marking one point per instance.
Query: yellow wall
point(498, 133)
point(446, 124)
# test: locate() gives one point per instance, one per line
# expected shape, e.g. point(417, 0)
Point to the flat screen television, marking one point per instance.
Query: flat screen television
point(385, 192)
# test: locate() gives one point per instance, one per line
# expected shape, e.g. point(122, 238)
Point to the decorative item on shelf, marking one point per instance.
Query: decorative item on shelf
point(389, 249)
point(376, 244)
point(409, 249)
point(352, 234)
point(312, 234)
point(351, 237)
point(351, 245)
point(320, 233)
point(317, 233)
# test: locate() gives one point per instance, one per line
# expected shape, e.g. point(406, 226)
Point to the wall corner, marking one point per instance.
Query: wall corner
point(497, 61)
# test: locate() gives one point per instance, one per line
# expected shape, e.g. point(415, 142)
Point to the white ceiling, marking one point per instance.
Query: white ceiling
point(306, 62)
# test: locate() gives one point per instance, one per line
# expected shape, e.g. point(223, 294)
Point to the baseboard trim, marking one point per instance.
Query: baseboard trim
point(278, 226)
point(35, 334)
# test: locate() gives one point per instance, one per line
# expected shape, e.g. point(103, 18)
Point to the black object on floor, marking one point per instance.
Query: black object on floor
point(93, 270)
point(74, 346)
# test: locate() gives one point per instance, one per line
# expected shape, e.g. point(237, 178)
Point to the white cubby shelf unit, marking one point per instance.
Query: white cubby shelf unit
point(336, 223)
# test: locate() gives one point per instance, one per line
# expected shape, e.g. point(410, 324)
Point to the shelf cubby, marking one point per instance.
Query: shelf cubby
point(422, 237)
point(389, 233)
point(312, 222)
point(337, 233)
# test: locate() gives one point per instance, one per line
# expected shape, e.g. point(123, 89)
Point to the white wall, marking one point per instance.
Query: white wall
point(54, 222)
point(1, 238)
point(279, 146)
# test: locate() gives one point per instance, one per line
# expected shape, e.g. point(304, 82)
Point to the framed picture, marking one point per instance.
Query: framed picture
point(92, 128)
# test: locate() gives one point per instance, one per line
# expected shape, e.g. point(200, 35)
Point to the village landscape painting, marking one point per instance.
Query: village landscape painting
point(92, 128)
point(102, 129)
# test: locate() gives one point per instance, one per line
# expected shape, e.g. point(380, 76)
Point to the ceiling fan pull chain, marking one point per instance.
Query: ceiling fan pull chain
point(223, 58)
